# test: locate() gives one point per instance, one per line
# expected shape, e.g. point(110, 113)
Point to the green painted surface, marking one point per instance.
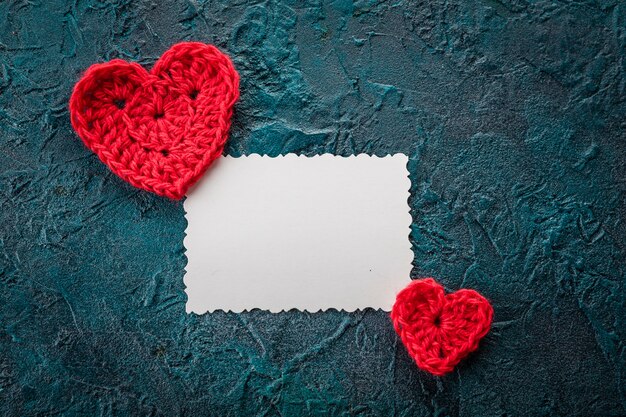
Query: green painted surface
point(512, 114)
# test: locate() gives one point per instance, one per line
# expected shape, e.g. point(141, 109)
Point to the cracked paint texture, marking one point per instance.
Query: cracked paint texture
point(512, 114)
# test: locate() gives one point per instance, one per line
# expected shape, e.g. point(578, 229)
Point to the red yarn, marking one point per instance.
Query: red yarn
point(439, 330)
point(158, 130)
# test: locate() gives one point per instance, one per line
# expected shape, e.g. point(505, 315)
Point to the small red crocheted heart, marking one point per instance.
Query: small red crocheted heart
point(158, 130)
point(439, 330)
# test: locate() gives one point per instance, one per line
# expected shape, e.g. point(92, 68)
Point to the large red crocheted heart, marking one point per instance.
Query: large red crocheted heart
point(158, 130)
point(439, 330)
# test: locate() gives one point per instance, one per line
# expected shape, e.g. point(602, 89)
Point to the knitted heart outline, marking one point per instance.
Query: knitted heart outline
point(439, 330)
point(158, 130)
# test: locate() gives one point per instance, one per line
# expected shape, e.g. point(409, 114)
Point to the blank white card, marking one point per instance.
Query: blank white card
point(309, 233)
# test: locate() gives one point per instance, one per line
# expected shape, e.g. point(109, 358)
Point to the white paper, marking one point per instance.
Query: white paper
point(309, 233)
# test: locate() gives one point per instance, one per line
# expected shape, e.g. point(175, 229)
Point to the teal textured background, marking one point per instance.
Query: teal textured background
point(512, 114)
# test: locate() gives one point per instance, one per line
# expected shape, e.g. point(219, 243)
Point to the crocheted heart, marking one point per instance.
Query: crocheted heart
point(158, 130)
point(439, 330)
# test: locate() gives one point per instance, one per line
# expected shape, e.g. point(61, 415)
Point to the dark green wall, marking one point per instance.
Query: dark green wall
point(512, 114)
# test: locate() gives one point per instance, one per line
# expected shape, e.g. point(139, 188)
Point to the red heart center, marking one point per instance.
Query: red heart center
point(158, 130)
point(439, 330)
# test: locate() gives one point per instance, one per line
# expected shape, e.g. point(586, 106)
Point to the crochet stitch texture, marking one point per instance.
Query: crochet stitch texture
point(158, 130)
point(439, 330)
